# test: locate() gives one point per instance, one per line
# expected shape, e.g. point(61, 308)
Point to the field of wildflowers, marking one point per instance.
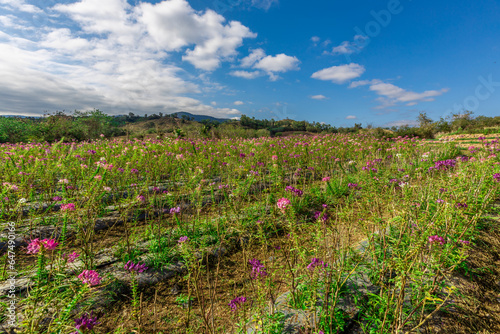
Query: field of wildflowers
point(304, 234)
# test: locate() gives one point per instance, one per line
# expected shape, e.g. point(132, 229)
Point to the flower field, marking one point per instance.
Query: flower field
point(316, 234)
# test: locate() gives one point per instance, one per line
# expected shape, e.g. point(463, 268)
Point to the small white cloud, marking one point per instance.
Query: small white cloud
point(339, 74)
point(348, 47)
point(20, 5)
point(278, 63)
point(351, 117)
point(315, 39)
point(213, 103)
point(238, 103)
point(318, 97)
point(252, 58)
point(246, 74)
point(390, 94)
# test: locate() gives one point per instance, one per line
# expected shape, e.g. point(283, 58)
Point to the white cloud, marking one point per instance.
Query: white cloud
point(246, 74)
point(20, 5)
point(390, 94)
point(278, 63)
point(271, 65)
point(213, 103)
point(318, 97)
point(339, 74)
point(349, 47)
point(174, 24)
point(351, 117)
point(315, 39)
point(252, 58)
point(238, 103)
point(105, 57)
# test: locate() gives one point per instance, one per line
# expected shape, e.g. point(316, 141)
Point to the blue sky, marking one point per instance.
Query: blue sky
point(338, 62)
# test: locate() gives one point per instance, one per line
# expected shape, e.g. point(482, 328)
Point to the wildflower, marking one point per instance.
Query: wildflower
point(496, 176)
point(183, 239)
point(258, 269)
point(98, 177)
point(443, 190)
point(237, 302)
point(35, 245)
point(90, 277)
point(465, 242)
point(315, 262)
point(461, 205)
point(57, 198)
point(175, 210)
point(85, 322)
point(134, 171)
point(440, 200)
point(326, 179)
point(65, 181)
point(436, 239)
point(68, 207)
point(283, 203)
point(141, 198)
point(274, 157)
point(321, 216)
point(71, 257)
point(135, 267)
point(108, 189)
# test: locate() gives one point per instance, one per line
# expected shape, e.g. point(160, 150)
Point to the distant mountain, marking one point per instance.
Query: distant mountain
point(200, 118)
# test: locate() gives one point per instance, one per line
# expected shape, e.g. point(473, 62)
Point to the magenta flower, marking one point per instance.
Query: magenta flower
point(315, 262)
point(496, 176)
point(71, 257)
point(440, 200)
point(258, 269)
point(90, 277)
point(321, 216)
point(68, 207)
point(135, 267)
point(86, 322)
point(326, 179)
point(274, 157)
point(436, 239)
point(36, 244)
point(237, 302)
point(57, 198)
point(141, 198)
point(283, 203)
point(175, 210)
point(183, 239)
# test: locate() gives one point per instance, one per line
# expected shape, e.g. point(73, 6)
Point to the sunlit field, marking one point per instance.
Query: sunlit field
point(303, 234)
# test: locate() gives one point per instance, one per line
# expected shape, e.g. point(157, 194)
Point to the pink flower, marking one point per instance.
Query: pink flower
point(68, 207)
point(36, 244)
point(71, 257)
point(283, 203)
point(436, 239)
point(65, 181)
point(274, 157)
point(326, 179)
point(90, 277)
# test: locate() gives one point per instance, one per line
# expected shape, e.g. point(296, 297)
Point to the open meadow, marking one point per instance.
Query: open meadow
point(331, 233)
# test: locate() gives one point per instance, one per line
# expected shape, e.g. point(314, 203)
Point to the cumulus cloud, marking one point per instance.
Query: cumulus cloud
point(278, 63)
point(270, 65)
point(351, 117)
point(391, 95)
point(238, 103)
point(246, 74)
point(252, 58)
point(174, 24)
point(349, 47)
point(339, 74)
point(114, 56)
point(318, 97)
